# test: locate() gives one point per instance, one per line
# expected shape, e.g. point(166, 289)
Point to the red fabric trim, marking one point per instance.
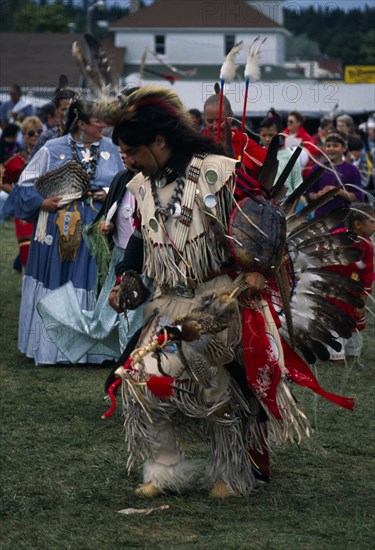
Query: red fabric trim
point(262, 369)
point(300, 373)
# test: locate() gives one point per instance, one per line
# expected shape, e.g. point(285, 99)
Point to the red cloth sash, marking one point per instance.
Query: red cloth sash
point(300, 373)
point(262, 369)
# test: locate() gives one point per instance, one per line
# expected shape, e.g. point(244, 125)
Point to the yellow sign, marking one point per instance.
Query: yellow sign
point(360, 74)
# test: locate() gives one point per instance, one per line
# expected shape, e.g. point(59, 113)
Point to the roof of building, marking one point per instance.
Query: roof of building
point(37, 59)
point(332, 65)
point(197, 14)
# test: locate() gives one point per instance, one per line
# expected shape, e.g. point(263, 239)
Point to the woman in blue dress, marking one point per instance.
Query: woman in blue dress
point(47, 270)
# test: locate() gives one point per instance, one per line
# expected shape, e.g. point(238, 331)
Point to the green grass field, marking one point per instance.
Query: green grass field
point(63, 475)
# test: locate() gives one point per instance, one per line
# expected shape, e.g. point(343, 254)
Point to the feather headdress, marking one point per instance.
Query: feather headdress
point(88, 69)
point(229, 68)
point(252, 72)
point(131, 107)
point(98, 75)
point(101, 61)
point(227, 75)
point(252, 69)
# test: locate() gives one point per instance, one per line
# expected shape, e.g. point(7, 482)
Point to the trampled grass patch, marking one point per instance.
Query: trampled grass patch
point(64, 479)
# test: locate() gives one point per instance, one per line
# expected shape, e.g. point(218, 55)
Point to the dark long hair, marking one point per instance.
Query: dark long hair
point(362, 212)
point(156, 118)
point(78, 110)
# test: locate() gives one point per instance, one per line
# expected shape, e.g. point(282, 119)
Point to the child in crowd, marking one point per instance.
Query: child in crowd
point(357, 156)
point(360, 221)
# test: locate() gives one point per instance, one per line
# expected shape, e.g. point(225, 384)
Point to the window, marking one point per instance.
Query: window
point(160, 44)
point(230, 41)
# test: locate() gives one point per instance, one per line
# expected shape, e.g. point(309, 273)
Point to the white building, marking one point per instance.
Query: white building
point(199, 33)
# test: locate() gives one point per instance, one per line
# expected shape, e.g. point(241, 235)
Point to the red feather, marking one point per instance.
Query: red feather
point(161, 386)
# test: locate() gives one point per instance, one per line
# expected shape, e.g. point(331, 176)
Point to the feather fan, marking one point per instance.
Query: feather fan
point(66, 179)
point(316, 321)
point(300, 216)
point(319, 225)
point(311, 245)
point(336, 321)
point(329, 249)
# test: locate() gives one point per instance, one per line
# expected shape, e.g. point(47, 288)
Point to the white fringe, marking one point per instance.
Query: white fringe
point(197, 253)
point(41, 228)
point(294, 425)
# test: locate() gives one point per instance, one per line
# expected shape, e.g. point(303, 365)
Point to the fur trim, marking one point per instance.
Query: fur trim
point(174, 478)
point(229, 461)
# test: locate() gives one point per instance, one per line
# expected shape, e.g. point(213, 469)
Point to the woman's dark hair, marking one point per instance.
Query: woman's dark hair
point(151, 120)
point(197, 114)
point(298, 116)
point(46, 111)
point(10, 130)
point(272, 119)
point(61, 95)
point(78, 110)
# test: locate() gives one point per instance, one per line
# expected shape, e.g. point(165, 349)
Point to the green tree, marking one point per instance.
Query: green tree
point(358, 50)
point(7, 10)
point(32, 17)
point(367, 49)
point(301, 47)
point(346, 35)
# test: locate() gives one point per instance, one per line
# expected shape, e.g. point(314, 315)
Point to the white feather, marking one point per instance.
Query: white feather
point(229, 68)
point(111, 213)
point(252, 69)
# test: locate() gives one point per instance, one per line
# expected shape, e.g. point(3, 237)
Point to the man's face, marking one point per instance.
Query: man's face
point(266, 135)
point(211, 120)
point(61, 109)
point(14, 95)
point(142, 158)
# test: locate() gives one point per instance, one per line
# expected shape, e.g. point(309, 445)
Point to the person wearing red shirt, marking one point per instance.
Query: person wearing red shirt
point(31, 129)
point(360, 221)
point(253, 154)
